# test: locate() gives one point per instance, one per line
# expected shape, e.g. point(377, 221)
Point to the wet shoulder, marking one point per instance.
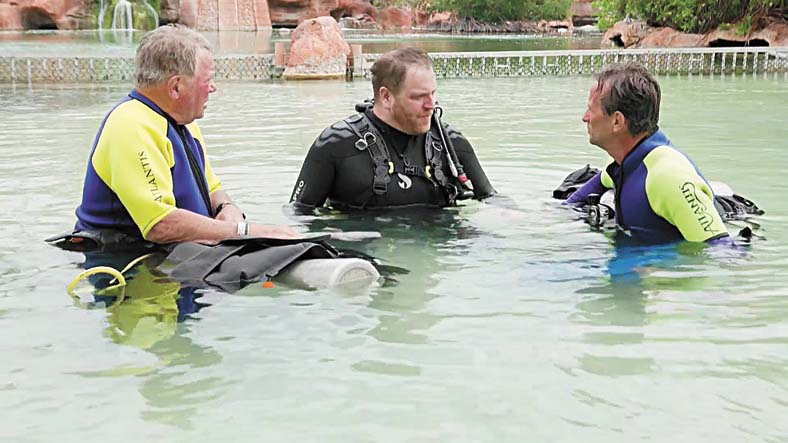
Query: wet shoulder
point(337, 137)
point(665, 162)
point(131, 121)
point(671, 173)
point(457, 138)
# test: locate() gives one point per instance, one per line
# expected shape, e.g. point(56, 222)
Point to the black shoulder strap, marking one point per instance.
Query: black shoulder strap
point(433, 152)
point(369, 139)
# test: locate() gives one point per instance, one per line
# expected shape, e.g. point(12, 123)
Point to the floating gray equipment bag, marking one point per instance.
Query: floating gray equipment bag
point(232, 264)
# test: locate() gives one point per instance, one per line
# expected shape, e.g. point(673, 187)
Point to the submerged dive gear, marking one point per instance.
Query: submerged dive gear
point(598, 209)
point(103, 240)
point(234, 263)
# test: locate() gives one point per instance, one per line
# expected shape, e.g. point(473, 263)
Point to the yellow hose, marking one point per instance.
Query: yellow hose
point(131, 264)
point(92, 271)
point(105, 270)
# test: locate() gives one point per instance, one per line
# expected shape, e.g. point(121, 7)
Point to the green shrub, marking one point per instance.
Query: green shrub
point(501, 10)
point(691, 15)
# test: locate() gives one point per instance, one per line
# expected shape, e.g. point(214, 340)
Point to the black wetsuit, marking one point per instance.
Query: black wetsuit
point(335, 171)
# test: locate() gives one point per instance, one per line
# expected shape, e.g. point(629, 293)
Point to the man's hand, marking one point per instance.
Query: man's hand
point(230, 213)
point(284, 232)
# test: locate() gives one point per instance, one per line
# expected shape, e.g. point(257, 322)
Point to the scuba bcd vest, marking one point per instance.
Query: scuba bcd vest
point(437, 149)
point(598, 210)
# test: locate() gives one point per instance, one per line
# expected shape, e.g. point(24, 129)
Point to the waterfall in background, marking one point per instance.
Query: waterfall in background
point(121, 17)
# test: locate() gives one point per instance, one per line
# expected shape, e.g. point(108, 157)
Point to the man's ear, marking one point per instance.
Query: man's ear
point(386, 97)
point(619, 122)
point(173, 87)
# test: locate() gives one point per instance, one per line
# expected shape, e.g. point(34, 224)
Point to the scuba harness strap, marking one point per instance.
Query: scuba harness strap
point(371, 140)
point(466, 186)
point(436, 148)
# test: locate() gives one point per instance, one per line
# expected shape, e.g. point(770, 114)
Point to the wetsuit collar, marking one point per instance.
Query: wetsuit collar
point(137, 95)
point(635, 157)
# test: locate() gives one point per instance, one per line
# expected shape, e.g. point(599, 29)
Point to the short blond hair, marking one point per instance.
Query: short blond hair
point(166, 51)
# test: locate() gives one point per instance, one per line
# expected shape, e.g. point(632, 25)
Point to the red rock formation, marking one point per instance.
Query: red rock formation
point(554, 25)
point(43, 14)
point(583, 13)
point(170, 11)
point(395, 18)
point(670, 38)
point(293, 12)
point(638, 35)
point(9, 17)
point(774, 34)
point(358, 9)
point(625, 35)
point(318, 50)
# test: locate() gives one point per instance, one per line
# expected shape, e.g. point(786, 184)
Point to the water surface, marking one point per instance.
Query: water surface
point(510, 326)
point(124, 42)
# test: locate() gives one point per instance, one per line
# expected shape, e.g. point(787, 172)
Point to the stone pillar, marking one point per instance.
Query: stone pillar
point(228, 15)
point(262, 16)
point(358, 60)
point(188, 13)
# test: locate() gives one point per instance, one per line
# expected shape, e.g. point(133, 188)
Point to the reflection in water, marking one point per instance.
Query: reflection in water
point(619, 309)
point(124, 41)
point(147, 313)
point(422, 241)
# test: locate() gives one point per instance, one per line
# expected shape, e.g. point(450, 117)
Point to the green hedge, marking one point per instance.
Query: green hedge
point(492, 10)
point(691, 15)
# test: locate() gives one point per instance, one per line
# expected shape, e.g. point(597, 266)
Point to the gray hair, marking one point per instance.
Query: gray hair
point(166, 51)
point(633, 91)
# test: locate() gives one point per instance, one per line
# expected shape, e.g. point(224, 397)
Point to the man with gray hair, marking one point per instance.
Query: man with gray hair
point(148, 176)
point(660, 194)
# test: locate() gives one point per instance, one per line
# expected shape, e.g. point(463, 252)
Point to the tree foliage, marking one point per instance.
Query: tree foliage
point(492, 10)
point(691, 15)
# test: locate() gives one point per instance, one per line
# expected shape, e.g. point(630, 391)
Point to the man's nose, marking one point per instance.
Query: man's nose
point(212, 86)
point(585, 117)
point(429, 103)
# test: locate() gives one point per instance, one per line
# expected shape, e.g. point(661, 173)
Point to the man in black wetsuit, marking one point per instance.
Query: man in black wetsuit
point(394, 153)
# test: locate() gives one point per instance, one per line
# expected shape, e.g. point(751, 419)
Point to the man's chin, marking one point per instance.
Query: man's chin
point(423, 129)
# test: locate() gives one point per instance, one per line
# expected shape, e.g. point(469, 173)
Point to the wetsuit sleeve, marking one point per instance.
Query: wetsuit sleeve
point(677, 193)
point(133, 157)
point(213, 181)
point(482, 188)
point(599, 184)
point(593, 186)
point(317, 175)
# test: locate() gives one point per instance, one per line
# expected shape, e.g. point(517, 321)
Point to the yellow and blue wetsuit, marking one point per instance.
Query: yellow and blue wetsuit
point(142, 167)
point(660, 195)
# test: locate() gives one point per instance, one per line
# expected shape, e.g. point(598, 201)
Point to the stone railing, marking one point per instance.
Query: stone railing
point(115, 69)
point(693, 61)
point(663, 61)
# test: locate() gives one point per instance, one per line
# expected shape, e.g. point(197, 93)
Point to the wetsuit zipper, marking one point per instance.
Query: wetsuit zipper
point(199, 177)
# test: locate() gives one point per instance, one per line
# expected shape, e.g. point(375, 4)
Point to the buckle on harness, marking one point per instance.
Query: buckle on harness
point(381, 177)
point(364, 142)
point(437, 147)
